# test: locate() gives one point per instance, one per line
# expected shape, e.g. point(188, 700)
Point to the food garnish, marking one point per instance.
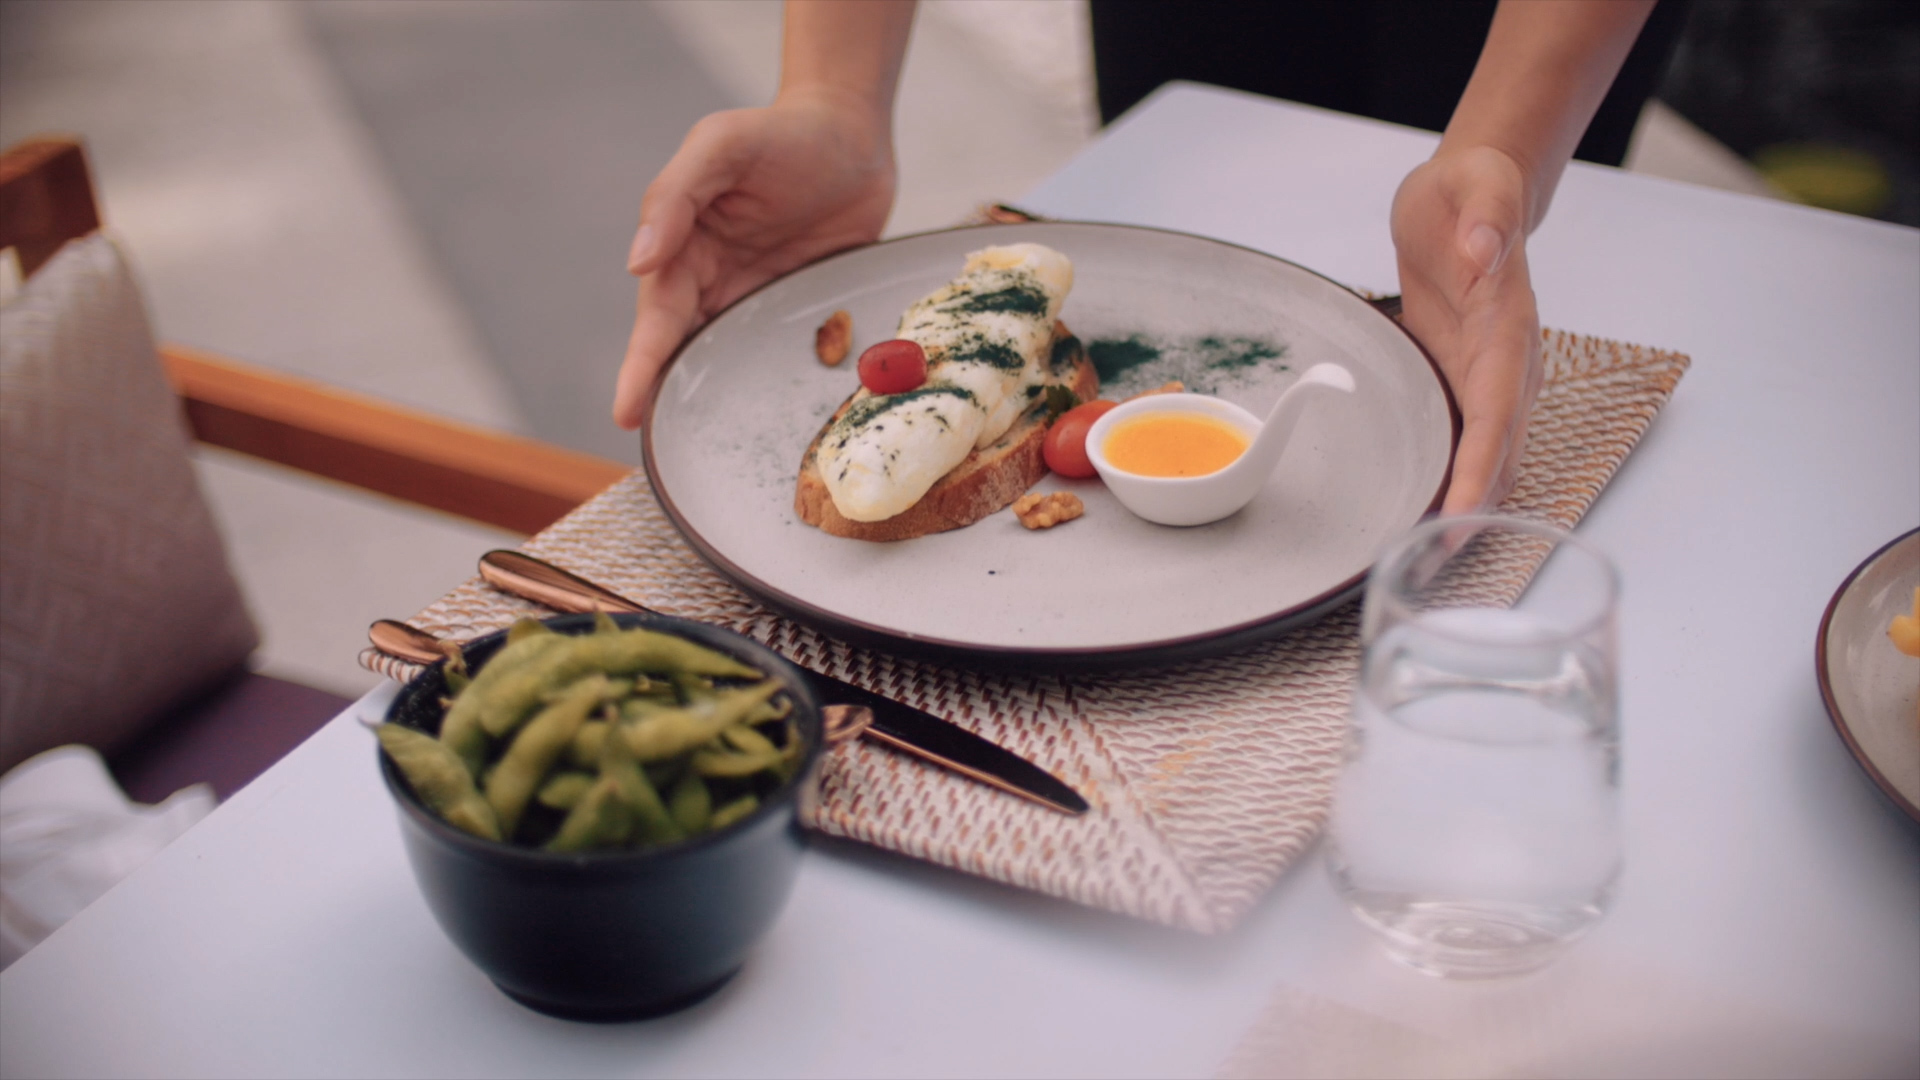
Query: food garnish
point(1037, 511)
point(834, 339)
point(893, 367)
point(1066, 445)
point(566, 741)
point(1058, 400)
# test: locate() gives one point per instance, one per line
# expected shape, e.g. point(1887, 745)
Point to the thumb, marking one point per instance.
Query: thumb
point(708, 163)
point(1489, 226)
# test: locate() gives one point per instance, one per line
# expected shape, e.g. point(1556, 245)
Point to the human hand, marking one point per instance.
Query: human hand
point(750, 195)
point(1459, 229)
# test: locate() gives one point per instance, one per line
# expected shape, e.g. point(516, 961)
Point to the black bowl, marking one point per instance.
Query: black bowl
point(609, 935)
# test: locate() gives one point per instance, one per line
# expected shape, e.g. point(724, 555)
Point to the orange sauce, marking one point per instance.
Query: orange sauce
point(1174, 444)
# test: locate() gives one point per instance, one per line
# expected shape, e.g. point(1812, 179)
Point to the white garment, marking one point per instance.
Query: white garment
point(68, 834)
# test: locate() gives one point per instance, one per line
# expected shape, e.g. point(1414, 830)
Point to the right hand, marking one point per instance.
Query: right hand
point(750, 195)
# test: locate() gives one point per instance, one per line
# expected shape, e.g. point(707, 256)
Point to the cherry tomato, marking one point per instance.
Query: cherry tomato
point(1066, 445)
point(893, 367)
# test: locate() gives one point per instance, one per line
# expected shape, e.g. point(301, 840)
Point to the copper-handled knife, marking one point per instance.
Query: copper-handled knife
point(897, 725)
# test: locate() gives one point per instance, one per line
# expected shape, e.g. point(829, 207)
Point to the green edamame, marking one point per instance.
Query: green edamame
point(613, 738)
point(651, 819)
point(600, 818)
point(462, 729)
point(722, 763)
point(540, 743)
point(524, 628)
point(734, 811)
point(440, 778)
point(503, 705)
point(672, 732)
point(744, 737)
point(564, 789)
point(691, 804)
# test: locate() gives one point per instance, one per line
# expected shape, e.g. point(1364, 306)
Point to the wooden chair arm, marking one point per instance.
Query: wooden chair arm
point(46, 198)
point(501, 480)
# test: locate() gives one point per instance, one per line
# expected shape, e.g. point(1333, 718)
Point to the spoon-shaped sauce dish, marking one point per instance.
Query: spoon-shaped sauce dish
point(1197, 500)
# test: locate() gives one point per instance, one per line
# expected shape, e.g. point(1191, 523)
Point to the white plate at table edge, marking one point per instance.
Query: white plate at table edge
point(1212, 642)
point(1825, 664)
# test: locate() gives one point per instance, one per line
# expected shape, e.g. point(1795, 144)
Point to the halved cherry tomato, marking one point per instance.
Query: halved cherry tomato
point(1066, 445)
point(893, 367)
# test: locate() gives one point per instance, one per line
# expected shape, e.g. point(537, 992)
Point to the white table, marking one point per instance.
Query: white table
point(284, 935)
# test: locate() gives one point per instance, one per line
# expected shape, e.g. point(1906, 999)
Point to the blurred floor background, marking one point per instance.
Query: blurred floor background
point(431, 200)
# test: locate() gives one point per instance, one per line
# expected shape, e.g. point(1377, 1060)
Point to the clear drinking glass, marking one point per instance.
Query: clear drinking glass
point(1475, 822)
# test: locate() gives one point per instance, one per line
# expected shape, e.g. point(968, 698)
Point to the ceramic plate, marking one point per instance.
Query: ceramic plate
point(738, 405)
point(1872, 689)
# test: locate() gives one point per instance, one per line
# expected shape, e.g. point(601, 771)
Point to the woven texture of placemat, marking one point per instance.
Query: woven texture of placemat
point(1206, 780)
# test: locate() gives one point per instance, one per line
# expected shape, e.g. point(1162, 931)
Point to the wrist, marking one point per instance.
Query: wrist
point(859, 112)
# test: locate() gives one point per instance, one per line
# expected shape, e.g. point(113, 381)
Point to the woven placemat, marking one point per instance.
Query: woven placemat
point(1206, 780)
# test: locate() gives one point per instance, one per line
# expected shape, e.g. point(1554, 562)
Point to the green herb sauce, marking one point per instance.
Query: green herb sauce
point(1020, 299)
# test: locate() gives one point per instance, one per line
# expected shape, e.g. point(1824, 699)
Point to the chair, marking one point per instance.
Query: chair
point(228, 729)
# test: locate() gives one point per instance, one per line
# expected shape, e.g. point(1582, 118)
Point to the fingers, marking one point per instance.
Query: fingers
point(709, 162)
point(1489, 225)
point(668, 306)
point(1479, 469)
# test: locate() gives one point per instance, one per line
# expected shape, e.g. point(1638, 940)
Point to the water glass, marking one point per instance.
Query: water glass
point(1476, 819)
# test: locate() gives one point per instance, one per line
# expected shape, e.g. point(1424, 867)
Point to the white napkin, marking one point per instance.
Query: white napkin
point(68, 834)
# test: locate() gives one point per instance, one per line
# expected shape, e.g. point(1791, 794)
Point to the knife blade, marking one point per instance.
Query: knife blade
point(894, 723)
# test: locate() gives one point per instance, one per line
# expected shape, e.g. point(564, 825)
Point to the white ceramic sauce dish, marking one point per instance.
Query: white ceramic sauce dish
point(1198, 500)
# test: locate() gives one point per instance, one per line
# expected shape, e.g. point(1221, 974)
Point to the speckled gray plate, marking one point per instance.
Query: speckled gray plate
point(735, 410)
point(1872, 689)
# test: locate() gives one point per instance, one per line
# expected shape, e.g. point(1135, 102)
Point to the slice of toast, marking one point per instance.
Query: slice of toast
point(985, 481)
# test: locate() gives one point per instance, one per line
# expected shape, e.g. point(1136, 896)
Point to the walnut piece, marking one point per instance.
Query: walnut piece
point(834, 339)
point(1037, 511)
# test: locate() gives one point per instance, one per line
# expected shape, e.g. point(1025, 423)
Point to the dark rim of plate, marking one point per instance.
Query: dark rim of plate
point(1163, 651)
point(1823, 672)
point(740, 647)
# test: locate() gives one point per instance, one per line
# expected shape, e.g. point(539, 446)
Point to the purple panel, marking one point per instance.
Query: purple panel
point(225, 738)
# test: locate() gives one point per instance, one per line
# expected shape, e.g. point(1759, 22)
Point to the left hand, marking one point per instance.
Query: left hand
point(1459, 228)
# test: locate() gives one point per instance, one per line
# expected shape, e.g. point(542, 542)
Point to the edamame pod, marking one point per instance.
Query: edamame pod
point(455, 670)
point(744, 737)
point(690, 688)
point(540, 744)
point(600, 819)
point(651, 820)
point(720, 763)
point(504, 704)
point(440, 778)
point(675, 731)
point(525, 627)
point(564, 789)
point(733, 811)
point(585, 751)
point(691, 804)
point(462, 729)
point(639, 708)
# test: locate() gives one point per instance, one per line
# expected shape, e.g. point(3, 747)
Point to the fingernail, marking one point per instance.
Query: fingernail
point(1485, 248)
point(643, 243)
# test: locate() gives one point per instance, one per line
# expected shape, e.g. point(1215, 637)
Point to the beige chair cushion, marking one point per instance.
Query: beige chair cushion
point(115, 596)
